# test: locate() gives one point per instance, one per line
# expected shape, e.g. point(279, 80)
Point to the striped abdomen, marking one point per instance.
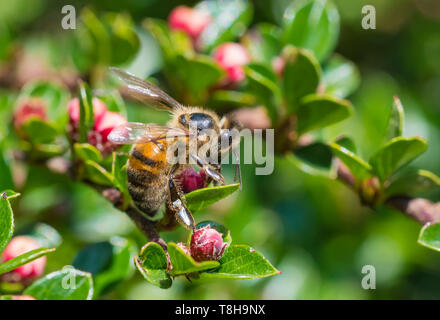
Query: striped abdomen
point(147, 177)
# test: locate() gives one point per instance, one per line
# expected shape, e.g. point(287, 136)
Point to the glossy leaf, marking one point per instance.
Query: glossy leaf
point(319, 111)
point(316, 155)
point(412, 183)
point(201, 198)
point(184, 264)
point(6, 222)
point(242, 262)
point(86, 151)
point(98, 174)
point(266, 91)
point(24, 259)
point(359, 168)
point(430, 236)
point(46, 236)
point(263, 43)
point(230, 19)
point(395, 154)
point(301, 76)
point(395, 123)
point(312, 25)
point(39, 131)
point(340, 77)
point(152, 264)
point(66, 284)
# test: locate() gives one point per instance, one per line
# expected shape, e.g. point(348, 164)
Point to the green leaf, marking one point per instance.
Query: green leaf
point(152, 264)
point(24, 259)
point(184, 264)
point(6, 297)
point(5, 169)
point(66, 284)
point(198, 73)
point(227, 99)
point(6, 222)
point(341, 77)
point(119, 173)
point(430, 236)
point(301, 76)
point(312, 25)
point(412, 183)
point(86, 120)
point(39, 131)
point(230, 20)
point(108, 262)
point(395, 123)
point(319, 111)
point(97, 174)
point(263, 43)
point(347, 143)
point(266, 91)
point(201, 198)
point(316, 155)
point(242, 262)
point(86, 151)
point(159, 29)
point(395, 154)
point(359, 168)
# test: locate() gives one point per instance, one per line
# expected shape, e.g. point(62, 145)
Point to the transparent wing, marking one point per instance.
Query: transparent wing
point(135, 132)
point(146, 92)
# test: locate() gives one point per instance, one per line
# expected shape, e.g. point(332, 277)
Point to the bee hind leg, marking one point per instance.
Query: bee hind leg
point(176, 204)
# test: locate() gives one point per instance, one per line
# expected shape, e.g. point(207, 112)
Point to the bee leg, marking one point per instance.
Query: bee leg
point(211, 171)
point(176, 204)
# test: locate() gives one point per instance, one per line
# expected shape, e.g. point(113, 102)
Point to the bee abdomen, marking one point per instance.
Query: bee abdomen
point(148, 190)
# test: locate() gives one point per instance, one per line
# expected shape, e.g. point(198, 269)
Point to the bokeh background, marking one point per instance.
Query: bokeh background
point(312, 229)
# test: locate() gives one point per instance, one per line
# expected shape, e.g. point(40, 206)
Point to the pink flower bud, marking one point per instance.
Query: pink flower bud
point(207, 244)
point(23, 297)
point(105, 124)
point(31, 108)
point(99, 108)
point(231, 57)
point(18, 246)
point(191, 21)
point(191, 180)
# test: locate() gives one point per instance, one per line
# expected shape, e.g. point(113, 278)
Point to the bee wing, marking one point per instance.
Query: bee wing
point(146, 92)
point(135, 132)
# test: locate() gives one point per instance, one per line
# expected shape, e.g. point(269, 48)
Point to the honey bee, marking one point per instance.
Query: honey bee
point(151, 178)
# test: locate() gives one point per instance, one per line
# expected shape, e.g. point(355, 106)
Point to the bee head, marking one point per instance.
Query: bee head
point(197, 120)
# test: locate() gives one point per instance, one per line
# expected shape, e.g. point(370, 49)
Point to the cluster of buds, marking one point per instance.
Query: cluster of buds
point(28, 272)
point(206, 245)
point(229, 56)
point(33, 108)
point(104, 122)
point(190, 180)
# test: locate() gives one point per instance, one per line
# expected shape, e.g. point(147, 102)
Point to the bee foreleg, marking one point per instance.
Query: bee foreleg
point(210, 170)
point(177, 205)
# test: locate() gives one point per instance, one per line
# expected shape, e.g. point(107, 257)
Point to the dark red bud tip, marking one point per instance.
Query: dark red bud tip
point(207, 244)
point(191, 180)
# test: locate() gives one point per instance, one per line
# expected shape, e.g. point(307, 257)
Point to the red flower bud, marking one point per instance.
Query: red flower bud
point(191, 180)
point(207, 244)
point(106, 123)
point(31, 108)
point(231, 57)
point(191, 21)
point(18, 246)
point(99, 108)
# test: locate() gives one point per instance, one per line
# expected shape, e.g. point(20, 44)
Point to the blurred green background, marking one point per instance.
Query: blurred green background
point(312, 229)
